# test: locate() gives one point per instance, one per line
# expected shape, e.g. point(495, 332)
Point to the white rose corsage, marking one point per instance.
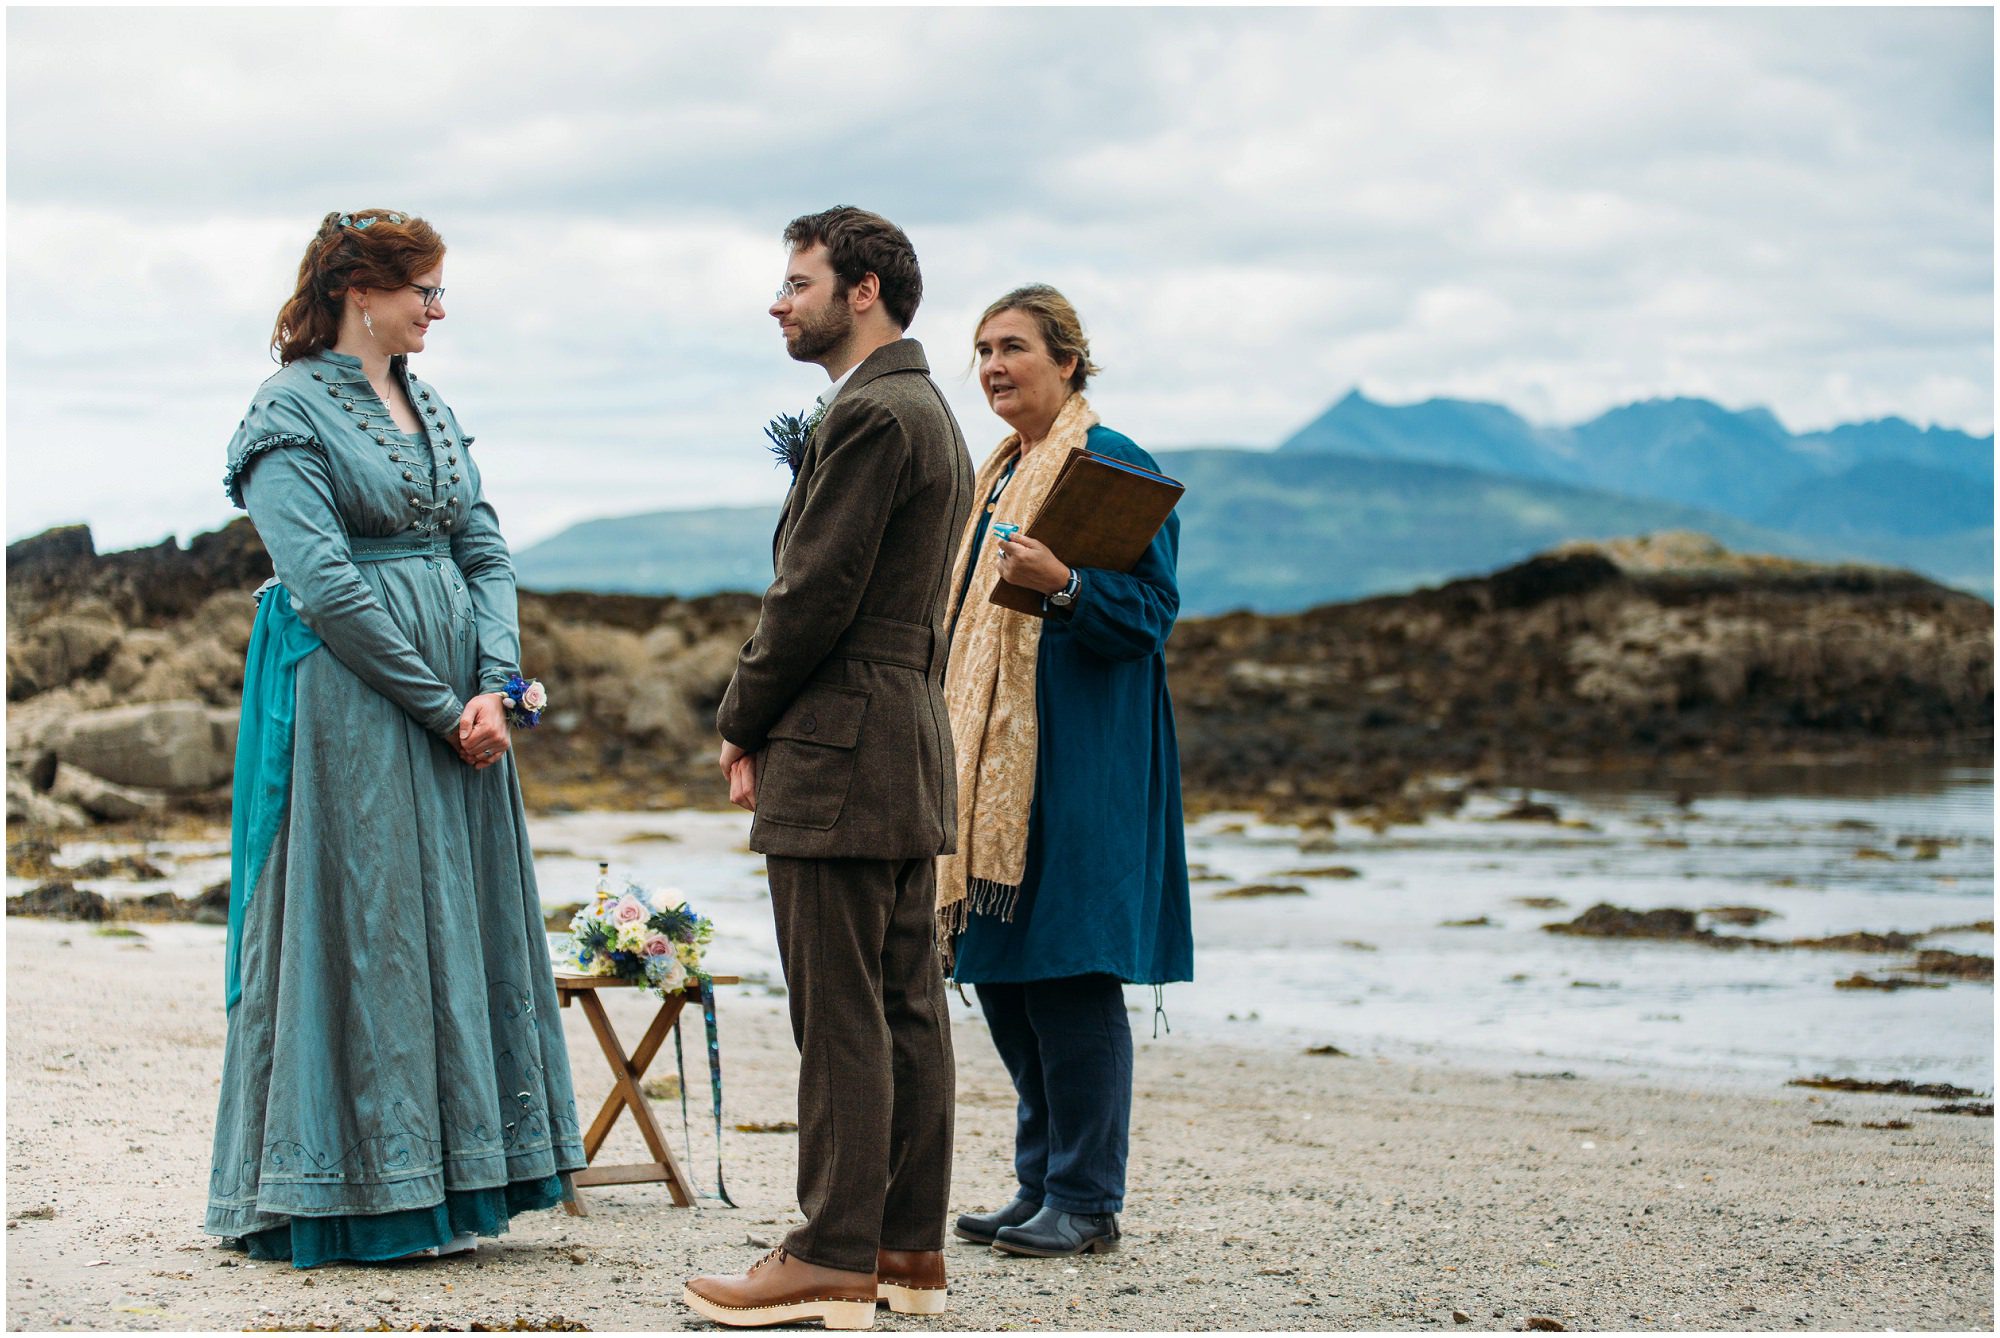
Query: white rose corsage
point(525, 700)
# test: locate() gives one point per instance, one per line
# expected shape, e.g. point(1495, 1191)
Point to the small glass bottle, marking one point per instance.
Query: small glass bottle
point(604, 893)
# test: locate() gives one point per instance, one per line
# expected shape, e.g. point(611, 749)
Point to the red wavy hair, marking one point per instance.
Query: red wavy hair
point(387, 253)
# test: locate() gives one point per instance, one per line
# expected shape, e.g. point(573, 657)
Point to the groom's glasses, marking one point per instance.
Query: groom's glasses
point(791, 288)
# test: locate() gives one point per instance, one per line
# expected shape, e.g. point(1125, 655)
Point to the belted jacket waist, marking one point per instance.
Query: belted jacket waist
point(891, 641)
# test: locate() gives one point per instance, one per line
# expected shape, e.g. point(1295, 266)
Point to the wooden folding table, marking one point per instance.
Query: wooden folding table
point(628, 1073)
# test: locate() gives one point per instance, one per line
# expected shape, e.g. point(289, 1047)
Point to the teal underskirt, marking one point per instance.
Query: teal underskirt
point(373, 1238)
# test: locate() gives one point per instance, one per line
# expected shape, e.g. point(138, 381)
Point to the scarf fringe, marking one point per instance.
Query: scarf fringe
point(982, 896)
point(987, 897)
point(950, 924)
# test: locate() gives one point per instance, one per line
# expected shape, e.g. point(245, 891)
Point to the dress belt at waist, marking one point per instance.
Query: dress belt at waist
point(388, 548)
point(890, 641)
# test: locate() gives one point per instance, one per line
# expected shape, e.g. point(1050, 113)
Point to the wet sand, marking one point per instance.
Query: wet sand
point(1268, 1190)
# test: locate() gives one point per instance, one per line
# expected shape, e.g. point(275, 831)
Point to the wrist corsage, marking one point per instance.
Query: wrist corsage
point(525, 700)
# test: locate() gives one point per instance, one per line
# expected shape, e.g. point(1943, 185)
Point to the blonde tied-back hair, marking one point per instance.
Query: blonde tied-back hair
point(1061, 328)
point(372, 248)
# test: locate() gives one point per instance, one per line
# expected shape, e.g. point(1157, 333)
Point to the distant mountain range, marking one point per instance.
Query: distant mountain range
point(1741, 463)
point(1371, 498)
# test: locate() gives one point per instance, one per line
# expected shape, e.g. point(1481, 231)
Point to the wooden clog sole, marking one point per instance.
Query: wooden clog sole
point(833, 1314)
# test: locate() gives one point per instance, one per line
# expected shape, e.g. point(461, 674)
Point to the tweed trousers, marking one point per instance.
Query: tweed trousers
point(857, 941)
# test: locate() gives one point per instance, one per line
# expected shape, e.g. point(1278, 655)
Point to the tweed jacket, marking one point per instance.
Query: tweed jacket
point(840, 690)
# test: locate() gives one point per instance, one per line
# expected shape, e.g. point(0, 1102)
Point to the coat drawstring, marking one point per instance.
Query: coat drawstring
point(1160, 1012)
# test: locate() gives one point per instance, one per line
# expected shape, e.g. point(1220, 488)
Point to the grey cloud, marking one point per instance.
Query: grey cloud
point(1255, 210)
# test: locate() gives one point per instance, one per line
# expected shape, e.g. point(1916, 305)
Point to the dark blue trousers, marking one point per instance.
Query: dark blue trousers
point(1067, 1044)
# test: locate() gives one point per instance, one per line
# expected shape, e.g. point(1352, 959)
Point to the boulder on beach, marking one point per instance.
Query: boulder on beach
point(180, 746)
point(60, 901)
point(1607, 921)
point(1528, 810)
point(1964, 965)
point(1861, 940)
point(57, 650)
point(210, 908)
point(102, 798)
point(1743, 917)
point(29, 808)
point(1888, 984)
point(1885, 1087)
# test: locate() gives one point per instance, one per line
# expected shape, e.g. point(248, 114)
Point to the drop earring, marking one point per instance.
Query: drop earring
point(368, 321)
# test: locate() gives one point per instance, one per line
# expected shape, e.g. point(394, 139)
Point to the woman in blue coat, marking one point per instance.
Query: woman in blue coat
point(1070, 875)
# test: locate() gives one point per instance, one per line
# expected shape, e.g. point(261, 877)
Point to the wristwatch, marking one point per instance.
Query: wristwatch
point(1066, 596)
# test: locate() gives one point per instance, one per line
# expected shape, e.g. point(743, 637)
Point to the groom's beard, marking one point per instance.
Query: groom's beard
point(822, 334)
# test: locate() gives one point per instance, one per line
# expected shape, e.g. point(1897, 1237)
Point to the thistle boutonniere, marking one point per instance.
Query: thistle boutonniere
point(789, 434)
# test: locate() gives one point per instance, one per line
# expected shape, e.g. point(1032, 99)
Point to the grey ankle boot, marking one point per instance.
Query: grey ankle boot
point(1052, 1232)
point(981, 1227)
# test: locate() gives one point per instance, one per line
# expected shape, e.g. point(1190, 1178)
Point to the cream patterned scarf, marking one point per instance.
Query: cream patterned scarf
point(989, 687)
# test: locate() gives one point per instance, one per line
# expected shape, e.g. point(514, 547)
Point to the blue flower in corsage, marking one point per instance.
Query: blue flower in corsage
point(525, 700)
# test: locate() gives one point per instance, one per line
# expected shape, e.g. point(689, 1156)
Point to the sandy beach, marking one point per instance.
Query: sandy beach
point(1269, 1189)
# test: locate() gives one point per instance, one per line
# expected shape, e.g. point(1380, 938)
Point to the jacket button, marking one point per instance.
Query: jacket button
point(809, 724)
point(454, 478)
point(333, 391)
point(451, 459)
point(408, 475)
point(318, 377)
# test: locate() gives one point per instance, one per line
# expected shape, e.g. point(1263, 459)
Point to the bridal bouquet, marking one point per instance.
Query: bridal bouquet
point(640, 935)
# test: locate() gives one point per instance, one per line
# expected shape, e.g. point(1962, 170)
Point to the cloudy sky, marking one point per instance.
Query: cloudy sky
point(1255, 210)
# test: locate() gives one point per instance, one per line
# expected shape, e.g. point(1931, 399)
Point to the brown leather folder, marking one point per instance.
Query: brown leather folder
point(1100, 512)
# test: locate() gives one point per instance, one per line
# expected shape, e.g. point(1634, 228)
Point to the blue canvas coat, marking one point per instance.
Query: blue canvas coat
point(1106, 887)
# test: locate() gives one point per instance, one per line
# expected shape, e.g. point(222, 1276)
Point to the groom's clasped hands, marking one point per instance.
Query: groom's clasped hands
point(741, 770)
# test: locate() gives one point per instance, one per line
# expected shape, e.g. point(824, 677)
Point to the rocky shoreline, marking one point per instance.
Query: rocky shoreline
point(1664, 656)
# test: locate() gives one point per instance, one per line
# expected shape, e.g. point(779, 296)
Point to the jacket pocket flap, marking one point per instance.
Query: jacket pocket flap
point(826, 714)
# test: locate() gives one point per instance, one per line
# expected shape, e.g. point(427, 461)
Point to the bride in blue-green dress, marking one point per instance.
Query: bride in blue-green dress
point(395, 1080)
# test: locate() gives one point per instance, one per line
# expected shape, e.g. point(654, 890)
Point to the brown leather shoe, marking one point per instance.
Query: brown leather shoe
point(910, 1281)
point(781, 1289)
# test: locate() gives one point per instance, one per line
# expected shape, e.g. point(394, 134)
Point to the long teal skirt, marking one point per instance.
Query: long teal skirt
point(311, 1241)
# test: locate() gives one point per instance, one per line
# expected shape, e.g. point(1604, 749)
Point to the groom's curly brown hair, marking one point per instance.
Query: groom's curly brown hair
point(859, 243)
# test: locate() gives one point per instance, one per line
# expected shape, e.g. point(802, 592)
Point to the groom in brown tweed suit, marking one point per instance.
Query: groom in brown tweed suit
point(835, 736)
